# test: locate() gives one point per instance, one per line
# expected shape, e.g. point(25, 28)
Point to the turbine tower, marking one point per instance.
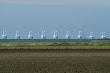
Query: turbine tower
point(17, 36)
point(4, 36)
point(30, 36)
point(43, 36)
point(55, 36)
point(79, 35)
point(103, 36)
point(91, 35)
point(67, 36)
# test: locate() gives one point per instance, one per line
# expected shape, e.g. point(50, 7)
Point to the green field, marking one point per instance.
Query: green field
point(55, 43)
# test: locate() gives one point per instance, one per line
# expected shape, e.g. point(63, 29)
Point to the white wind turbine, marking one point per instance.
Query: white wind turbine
point(43, 36)
point(79, 35)
point(17, 36)
point(103, 36)
point(67, 36)
point(30, 36)
point(4, 36)
point(55, 36)
point(91, 35)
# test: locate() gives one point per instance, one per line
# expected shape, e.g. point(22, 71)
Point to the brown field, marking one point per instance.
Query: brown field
point(55, 61)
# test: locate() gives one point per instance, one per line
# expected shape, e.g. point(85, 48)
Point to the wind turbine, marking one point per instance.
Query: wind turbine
point(91, 35)
point(55, 36)
point(103, 36)
point(43, 36)
point(79, 35)
point(67, 36)
point(17, 36)
point(4, 36)
point(30, 36)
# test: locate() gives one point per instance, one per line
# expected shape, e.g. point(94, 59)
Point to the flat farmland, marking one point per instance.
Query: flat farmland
point(54, 61)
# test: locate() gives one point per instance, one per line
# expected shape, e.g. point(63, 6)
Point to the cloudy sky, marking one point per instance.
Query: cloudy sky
point(52, 15)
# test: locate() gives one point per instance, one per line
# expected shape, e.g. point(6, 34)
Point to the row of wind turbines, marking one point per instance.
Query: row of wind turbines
point(55, 35)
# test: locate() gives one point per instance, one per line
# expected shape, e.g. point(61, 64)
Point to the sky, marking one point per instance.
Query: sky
point(54, 15)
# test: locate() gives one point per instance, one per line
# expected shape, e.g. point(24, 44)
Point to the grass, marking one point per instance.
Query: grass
point(55, 43)
point(15, 44)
